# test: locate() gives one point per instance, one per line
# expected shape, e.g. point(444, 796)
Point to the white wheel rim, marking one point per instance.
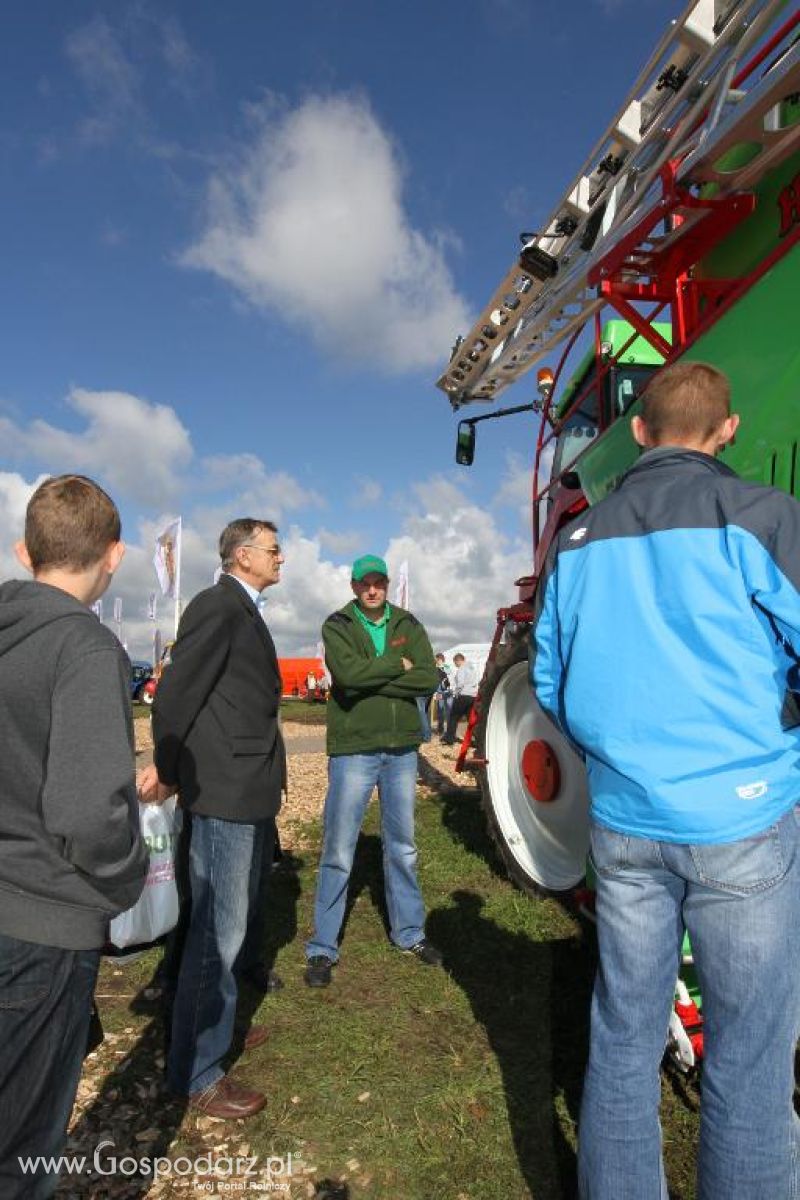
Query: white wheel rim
point(679, 1044)
point(549, 840)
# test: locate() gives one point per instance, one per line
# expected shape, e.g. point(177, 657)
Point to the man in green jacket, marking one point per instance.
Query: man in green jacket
point(380, 661)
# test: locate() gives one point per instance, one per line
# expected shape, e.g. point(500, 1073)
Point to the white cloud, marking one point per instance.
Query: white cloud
point(258, 492)
point(143, 452)
point(15, 492)
point(311, 586)
point(517, 202)
point(119, 64)
point(137, 448)
point(344, 542)
point(310, 589)
point(180, 59)
point(462, 566)
point(109, 76)
point(311, 226)
point(515, 489)
point(113, 235)
point(368, 494)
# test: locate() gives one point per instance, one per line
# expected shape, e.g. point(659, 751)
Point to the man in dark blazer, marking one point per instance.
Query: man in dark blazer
point(216, 736)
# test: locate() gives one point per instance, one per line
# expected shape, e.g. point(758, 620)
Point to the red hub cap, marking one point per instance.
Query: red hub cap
point(540, 771)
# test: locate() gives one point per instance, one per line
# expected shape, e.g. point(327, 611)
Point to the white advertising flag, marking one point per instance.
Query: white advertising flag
point(118, 610)
point(151, 606)
point(402, 591)
point(167, 559)
point(97, 609)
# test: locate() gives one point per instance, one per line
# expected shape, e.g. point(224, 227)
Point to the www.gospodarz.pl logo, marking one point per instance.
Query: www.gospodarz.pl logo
point(212, 1174)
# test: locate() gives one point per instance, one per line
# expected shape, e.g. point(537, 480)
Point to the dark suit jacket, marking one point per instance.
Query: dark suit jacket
point(215, 716)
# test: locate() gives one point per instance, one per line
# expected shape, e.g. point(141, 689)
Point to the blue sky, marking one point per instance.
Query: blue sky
point(238, 243)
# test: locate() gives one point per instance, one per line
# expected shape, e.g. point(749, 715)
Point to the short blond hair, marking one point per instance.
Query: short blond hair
point(688, 401)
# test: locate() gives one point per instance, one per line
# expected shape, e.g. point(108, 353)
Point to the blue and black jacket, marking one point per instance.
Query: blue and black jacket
point(668, 624)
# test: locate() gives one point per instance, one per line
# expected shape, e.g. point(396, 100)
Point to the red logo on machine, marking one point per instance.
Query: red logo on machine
point(789, 205)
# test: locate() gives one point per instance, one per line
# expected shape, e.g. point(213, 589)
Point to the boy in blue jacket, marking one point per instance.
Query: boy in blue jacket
point(669, 620)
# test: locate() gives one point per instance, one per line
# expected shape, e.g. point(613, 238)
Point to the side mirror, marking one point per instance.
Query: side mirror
point(465, 443)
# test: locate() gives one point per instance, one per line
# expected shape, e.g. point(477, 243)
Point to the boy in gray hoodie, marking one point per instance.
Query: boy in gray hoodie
point(71, 856)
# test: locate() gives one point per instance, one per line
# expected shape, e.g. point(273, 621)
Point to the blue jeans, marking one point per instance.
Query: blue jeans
point(444, 703)
point(740, 903)
point(45, 1003)
point(351, 778)
point(424, 720)
point(224, 875)
point(252, 953)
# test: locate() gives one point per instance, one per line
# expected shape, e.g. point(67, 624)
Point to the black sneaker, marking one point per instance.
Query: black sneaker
point(426, 953)
point(318, 971)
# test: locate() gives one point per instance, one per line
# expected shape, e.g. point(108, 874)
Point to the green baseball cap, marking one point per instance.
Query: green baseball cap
point(368, 564)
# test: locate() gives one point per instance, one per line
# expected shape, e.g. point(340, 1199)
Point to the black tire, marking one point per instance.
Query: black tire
point(527, 835)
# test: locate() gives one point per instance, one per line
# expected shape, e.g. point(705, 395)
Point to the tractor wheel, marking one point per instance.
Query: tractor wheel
point(533, 785)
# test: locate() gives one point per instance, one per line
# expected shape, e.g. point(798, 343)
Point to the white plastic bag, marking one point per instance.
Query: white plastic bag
point(156, 910)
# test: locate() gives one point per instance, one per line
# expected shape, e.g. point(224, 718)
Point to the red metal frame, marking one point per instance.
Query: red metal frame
point(523, 615)
point(667, 269)
point(723, 295)
point(542, 441)
point(695, 306)
point(778, 36)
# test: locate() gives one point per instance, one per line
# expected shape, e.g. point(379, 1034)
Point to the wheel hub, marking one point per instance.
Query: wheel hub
point(541, 771)
point(547, 842)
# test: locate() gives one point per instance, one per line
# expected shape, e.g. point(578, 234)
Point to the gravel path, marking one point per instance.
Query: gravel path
point(308, 776)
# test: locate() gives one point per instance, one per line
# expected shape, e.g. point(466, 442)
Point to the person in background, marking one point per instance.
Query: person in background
point(668, 622)
point(380, 660)
point(465, 689)
point(443, 696)
point(423, 704)
point(217, 739)
point(71, 854)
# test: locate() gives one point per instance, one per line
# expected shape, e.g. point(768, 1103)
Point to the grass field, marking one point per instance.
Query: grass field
point(303, 712)
point(399, 1082)
point(291, 710)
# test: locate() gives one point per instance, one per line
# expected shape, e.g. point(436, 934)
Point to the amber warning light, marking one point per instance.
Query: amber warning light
point(544, 386)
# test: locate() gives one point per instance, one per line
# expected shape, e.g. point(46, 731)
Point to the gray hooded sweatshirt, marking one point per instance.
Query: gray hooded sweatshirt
point(71, 855)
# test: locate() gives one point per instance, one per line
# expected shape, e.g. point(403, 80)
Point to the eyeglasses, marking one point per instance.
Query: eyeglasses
point(275, 551)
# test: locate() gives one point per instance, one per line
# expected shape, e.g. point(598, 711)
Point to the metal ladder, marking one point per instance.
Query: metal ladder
point(686, 108)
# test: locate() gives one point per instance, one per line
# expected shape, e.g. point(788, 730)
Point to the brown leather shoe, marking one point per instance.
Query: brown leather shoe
point(227, 1099)
point(255, 1036)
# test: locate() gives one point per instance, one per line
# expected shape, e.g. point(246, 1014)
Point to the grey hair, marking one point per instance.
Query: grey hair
point(237, 533)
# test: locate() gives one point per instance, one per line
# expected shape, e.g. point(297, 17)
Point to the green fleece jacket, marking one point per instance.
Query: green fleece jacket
point(372, 704)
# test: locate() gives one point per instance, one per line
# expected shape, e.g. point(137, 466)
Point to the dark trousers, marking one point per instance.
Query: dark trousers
point(461, 707)
point(45, 1005)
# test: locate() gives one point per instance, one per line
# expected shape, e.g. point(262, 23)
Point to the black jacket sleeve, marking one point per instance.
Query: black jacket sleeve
point(198, 658)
